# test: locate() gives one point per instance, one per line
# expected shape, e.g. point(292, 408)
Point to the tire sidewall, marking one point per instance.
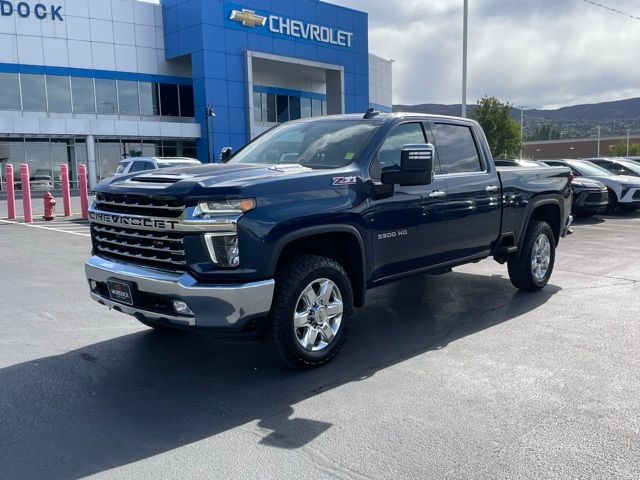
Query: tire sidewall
point(541, 228)
point(285, 311)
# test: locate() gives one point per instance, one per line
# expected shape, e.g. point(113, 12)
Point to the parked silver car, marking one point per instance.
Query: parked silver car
point(141, 164)
point(624, 191)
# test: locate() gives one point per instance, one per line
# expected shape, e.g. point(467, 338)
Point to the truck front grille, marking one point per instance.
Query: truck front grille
point(138, 205)
point(157, 249)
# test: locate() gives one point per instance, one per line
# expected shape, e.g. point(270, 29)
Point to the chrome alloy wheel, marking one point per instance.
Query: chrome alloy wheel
point(318, 315)
point(541, 257)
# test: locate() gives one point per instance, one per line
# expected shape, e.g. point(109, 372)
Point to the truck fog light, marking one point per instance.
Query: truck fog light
point(223, 249)
point(93, 285)
point(181, 308)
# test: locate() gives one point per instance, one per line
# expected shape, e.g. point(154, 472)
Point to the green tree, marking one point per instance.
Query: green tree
point(502, 131)
point(620, 150)
point(546, 132)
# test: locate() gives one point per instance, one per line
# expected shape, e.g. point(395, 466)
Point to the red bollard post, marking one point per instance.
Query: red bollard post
point(11, 194)
point(26, 193)
point(84, 191)
point(66, 191)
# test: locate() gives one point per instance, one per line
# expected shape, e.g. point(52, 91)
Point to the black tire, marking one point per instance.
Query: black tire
point(292, 278)
point(520, 268)
point(613, 205)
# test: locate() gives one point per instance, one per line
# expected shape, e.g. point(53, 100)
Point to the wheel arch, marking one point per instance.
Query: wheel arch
point(343, 243)
point(548, 210)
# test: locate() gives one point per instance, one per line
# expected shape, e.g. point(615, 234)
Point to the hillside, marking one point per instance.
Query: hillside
point(614, 118)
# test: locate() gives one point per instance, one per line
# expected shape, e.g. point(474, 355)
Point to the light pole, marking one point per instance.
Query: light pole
point(465, 23)
point(209, 114)
point(628, 134)
point(598, 141)
point(522, 128)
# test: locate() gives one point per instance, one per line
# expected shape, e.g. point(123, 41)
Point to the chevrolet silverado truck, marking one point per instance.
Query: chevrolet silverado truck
point(285, 236)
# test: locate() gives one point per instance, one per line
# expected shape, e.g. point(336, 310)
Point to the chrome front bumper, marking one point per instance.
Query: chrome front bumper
point(226, 307)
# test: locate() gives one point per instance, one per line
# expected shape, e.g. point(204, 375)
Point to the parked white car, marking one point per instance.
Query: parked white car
point(624, 191)
point(141, 164)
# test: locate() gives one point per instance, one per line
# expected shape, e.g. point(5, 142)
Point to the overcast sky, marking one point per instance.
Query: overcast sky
point(538, 53)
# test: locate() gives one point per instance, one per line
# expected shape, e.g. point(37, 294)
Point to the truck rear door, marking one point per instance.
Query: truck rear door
point(473, 189)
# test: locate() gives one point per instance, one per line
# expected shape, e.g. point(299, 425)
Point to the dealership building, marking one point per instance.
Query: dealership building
point(96, 81)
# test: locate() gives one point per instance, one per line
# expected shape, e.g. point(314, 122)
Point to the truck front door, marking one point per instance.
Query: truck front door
point(473, 190)
point(409, 227)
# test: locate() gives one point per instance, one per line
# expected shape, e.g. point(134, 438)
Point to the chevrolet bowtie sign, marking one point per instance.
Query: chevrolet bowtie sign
point(292, 28)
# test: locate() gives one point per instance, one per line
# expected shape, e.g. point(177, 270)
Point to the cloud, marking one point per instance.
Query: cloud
point(534, 52)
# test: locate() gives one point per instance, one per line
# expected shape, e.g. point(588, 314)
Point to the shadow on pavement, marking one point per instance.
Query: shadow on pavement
point(139, 395)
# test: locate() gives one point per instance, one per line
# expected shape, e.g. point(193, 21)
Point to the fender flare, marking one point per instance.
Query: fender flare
point(285, 240)
point(531, 209)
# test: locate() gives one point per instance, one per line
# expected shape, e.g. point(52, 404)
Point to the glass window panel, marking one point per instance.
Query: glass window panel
point(263, 99)
point(106, 98)
point(316, 107)
point(282, 104)
point(294, 108)
point(169, 100)
point(456, 148)
point(189, 149)
point(33, 95)
point(83, 95)
point(151, 149)
point(257, 107)
point(169, 149)
point(109, 156)
point(388, 157)
point(149, 105)
point(39, 160)
point(59, 155)
point(128, 97)
point(10, 91)
point(58, 94)
point(305, 107)
point(11, 151)
point(271, 108)
point(186, 101)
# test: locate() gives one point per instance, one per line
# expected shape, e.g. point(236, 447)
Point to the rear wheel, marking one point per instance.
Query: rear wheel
point(533, 266)
point(613, 204)
point(312, 307)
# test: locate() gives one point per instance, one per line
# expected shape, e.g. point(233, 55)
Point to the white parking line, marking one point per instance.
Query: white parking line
point(33, 225)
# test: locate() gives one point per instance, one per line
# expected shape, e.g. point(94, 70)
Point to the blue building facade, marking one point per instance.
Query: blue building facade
point(238, 50)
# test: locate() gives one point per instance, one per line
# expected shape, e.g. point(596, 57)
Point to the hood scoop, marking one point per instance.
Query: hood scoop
point(163, 179)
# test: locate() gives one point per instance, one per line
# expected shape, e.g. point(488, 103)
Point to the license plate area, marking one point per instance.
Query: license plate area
point(121, 292)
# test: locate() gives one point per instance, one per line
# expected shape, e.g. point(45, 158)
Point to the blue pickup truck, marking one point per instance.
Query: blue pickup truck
point(285, 236)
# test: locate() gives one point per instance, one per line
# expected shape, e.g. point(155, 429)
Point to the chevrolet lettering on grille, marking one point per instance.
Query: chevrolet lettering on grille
point(126, 221)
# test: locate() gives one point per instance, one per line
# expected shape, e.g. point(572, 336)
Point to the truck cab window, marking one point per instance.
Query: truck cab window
point(388, 157)
point(456, 148)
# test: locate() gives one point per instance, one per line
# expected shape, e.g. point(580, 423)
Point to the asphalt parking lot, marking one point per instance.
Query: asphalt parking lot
point(452, 376)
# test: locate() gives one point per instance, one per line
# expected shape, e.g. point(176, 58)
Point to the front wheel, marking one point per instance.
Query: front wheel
point(533, 266)
point(312, 307)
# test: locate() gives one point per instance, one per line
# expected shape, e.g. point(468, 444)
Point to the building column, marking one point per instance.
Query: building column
point(91, 161)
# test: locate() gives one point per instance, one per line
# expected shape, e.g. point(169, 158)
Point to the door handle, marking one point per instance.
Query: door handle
point(492, 189)
point(438, 194)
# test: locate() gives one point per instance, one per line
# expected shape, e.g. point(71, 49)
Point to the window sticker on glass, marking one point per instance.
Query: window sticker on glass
point(349, 156)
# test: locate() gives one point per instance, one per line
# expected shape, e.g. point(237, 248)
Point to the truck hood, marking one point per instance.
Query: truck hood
point(219, 180)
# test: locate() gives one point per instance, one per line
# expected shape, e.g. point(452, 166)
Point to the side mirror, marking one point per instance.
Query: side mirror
point(225, 154)
point(416, 166)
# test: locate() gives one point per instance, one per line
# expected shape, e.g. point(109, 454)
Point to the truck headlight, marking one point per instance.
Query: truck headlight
point(223, 248)
point(225, 207)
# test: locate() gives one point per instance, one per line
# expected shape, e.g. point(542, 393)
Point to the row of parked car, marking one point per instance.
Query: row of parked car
point(606, 184)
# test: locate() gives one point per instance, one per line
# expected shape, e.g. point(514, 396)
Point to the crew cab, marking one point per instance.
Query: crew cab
point(286, 236)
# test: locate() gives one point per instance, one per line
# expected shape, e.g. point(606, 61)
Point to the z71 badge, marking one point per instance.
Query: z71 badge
point(344, 180)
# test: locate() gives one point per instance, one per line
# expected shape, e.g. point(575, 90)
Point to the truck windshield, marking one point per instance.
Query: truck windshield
point(317, 144)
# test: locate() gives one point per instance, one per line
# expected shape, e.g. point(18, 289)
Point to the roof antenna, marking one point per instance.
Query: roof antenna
point(371, 112)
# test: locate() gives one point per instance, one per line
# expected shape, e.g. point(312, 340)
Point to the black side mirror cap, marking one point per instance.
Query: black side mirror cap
point(225, 154)
point(416, 166)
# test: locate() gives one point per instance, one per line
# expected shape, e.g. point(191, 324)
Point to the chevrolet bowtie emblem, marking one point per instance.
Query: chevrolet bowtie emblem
point(248, 18)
